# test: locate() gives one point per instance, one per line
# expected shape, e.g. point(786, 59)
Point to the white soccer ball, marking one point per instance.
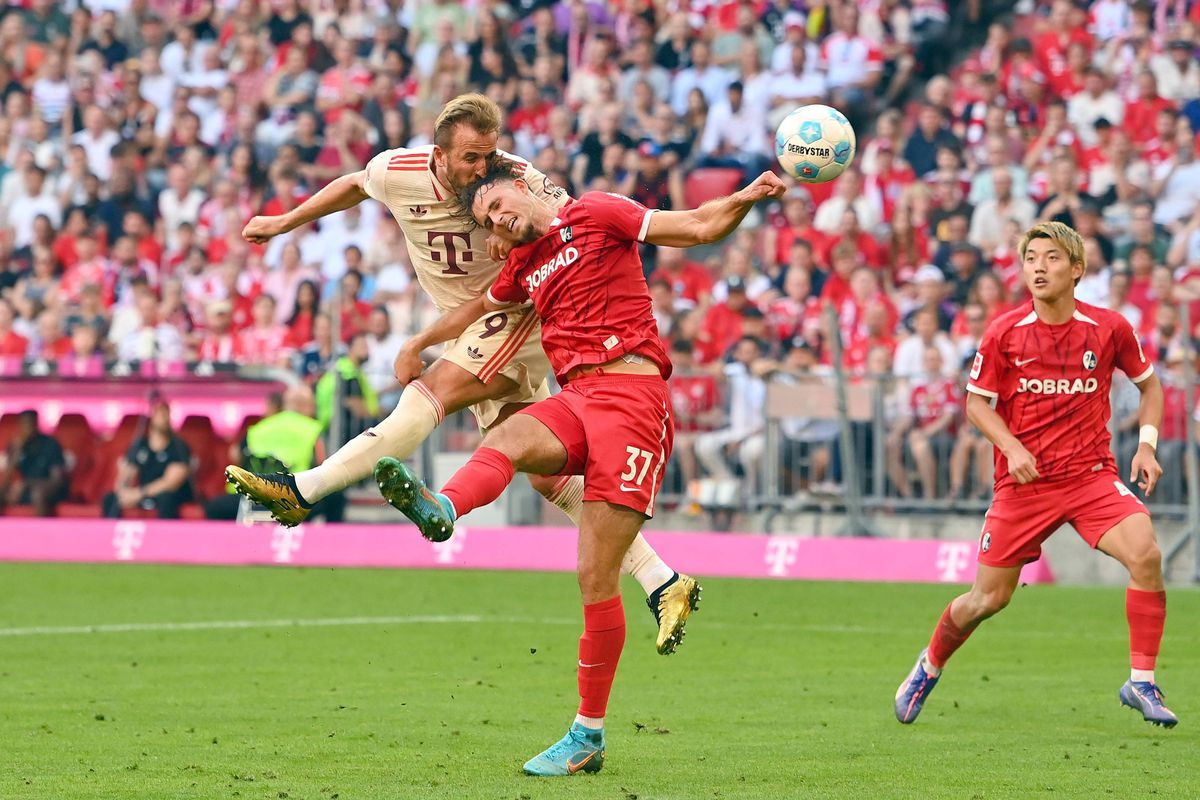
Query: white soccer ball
point(815, 143)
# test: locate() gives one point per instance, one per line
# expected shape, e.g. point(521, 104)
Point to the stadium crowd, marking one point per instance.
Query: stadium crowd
point(139, 136)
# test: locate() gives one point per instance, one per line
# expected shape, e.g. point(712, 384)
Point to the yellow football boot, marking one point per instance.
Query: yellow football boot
point(672, 604)
point(276, 492)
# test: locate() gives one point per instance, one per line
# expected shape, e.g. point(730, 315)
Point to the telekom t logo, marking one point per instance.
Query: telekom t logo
point(285, 541)
point(781, 554)
point(952, 559)
point(128, 535)
point(444, 552)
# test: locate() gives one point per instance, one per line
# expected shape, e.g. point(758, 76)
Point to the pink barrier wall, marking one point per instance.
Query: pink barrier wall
point(546, 549)
point(105, 403)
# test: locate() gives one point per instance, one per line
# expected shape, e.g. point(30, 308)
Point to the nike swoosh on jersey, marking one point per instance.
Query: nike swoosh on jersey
point(625, 488)
point(1023, 361)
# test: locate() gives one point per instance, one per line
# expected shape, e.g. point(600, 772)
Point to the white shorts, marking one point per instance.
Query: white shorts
point(507, 343)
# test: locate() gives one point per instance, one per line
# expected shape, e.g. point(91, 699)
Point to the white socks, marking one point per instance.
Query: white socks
point(595, 723)
point(929, 668)
point(1141, 675)
point(398, 435)
point(640, 560)
point(645, 566)
point(568, 495)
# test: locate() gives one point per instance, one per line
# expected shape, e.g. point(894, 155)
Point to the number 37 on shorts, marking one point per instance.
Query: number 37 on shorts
point(635, 473)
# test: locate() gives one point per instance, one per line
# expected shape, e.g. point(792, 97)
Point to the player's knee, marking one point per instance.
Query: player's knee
point(987, 603)
point(544, 484)
point(596, 583)
point(1146, 561)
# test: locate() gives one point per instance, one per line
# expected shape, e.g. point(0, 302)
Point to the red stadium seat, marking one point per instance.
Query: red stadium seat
point(81, 447)
point(209, 454)
point(8, 427)
point(708, 183)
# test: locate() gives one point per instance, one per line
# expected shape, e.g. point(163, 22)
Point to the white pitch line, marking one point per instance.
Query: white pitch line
point(250, 624)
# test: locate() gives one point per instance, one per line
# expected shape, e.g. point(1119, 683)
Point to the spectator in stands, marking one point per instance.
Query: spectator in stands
point(382, 345)
point(288, 438)
point(931, 133)
point(1097, 101)
point(990, 216)
point(84, 359)
point(12, 344)
point(702, 74)
point(1143, 231)
point(928, 428)
point(154, 474)
point(910, 354)
point(734, 135)
point(742, 434)
point(722, 322)
point(34, 469)
point(147, 338)
point(265, 342)
point(1177, 183)
point(796, 84)
point(359, 403)
point(38, 201)
point(848, 194)
point(695, 397)
point(691, 283)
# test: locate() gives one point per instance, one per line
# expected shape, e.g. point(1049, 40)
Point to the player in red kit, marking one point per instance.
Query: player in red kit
point(1039, 391)
point(612, 423)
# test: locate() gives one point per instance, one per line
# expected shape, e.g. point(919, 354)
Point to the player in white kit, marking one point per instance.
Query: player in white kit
point(495, 368)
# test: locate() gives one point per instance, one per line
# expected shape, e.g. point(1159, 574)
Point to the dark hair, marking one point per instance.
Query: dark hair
point(296, 310)
point(500, 169)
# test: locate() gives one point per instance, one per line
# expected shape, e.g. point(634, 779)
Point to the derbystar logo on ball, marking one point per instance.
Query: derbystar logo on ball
point(815, 143)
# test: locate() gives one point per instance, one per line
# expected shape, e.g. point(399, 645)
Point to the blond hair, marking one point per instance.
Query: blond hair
point(476, 111)
point(1063, 235)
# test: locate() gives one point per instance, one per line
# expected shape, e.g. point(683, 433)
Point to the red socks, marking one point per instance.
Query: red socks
point(1146, 612)
point(947, 637)
point(599, 651)
point(480, 481)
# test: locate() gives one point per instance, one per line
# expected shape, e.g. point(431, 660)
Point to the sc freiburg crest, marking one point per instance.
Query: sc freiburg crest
point(1089, 360)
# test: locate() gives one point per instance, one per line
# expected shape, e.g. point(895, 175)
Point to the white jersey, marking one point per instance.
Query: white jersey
point(448, 253)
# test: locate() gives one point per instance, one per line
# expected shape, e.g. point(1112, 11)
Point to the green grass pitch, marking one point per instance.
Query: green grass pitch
point(781, 690)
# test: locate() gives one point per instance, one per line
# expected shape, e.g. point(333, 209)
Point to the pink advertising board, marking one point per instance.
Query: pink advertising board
point(542, 549)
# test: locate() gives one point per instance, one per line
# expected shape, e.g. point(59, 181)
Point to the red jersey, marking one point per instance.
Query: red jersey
point(1051, 385)
point(691, 283)
point(691, 396)
point(585, 279)
point(262, 346)
point(930, 401)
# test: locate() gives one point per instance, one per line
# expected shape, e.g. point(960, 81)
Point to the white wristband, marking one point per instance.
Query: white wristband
point(1148, 434)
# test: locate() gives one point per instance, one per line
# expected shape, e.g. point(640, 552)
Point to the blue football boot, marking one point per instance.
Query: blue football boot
point(581, 750)
point(432, 513)
point(1147, 698)
point(912, 693)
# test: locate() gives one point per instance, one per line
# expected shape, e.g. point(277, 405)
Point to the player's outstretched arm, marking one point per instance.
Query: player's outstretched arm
point(1021, 463)
point(1150, 413)
point(714, 220)
point(338, 195)
point(408, 365)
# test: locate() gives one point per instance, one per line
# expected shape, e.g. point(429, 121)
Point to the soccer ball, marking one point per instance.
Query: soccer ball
point(815, 143)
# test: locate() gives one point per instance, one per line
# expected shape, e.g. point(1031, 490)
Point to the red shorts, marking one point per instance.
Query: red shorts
point(618, 431)
point(1022, 517)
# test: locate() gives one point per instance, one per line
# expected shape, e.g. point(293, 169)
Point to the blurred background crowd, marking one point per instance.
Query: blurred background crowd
point(139, 136)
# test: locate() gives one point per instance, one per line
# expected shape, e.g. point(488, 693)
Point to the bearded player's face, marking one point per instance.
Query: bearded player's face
point(503, 208)
point(467, 157)
point(1049, 272)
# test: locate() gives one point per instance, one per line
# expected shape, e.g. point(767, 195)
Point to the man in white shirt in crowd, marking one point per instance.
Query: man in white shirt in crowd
point(703, 75)
point(38, 201)
point(794, 86)
point(734, 134)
